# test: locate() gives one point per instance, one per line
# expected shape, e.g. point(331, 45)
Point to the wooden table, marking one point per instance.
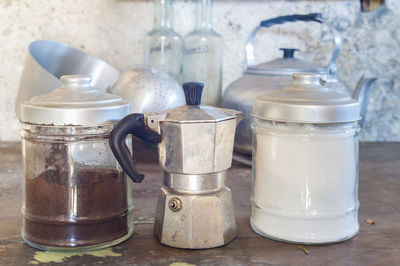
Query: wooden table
point(378, 244)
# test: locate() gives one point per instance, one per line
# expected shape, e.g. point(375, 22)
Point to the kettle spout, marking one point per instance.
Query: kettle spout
point(361, 94)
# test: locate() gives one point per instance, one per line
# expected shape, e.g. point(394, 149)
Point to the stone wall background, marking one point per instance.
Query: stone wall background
point(113, 31)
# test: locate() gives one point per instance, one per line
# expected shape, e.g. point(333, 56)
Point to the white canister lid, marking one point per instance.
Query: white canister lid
point(306, 100)
point(75, 103)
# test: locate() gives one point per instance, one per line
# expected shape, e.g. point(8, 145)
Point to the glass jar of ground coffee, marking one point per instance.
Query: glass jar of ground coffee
point(76, 197)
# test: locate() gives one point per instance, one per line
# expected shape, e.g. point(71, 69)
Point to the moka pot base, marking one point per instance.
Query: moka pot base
point(195, 211)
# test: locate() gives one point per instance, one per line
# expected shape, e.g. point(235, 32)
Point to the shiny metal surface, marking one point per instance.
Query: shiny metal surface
point(194, 208)
point(196, 139)
point(196, 148)
point(361, 94)
point(306, 101)
point(74, 103)
point(203, 221)
point(199, 184)
point(285, 67)
point(148, 90)
point(239, 96)
point(275, 74)
point(47, 61)
point(189, 114)
point(279, 68)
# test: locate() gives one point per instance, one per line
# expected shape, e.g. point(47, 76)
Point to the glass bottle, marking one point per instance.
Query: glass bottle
point(164, 45)
point(203, 54)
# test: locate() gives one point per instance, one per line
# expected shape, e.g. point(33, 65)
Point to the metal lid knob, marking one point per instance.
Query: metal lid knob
point(76, 81)
point(288, 52)
point(193, 91)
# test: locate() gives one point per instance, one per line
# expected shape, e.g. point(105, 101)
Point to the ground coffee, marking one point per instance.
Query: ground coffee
point(72, 205)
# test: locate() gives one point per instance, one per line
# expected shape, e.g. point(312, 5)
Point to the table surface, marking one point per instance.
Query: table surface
point(378, 244)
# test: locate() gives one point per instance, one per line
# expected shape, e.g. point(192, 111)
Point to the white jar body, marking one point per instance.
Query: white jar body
point(305, 181)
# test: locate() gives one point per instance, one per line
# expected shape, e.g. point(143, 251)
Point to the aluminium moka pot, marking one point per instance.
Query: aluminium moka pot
point(195, 145)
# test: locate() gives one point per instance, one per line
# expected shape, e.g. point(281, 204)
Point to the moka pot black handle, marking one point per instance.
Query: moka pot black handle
point(132, 124)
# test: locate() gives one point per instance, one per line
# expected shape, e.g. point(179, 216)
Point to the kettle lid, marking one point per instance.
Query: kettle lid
point(75, 103)
point(306, 101)
point(193, 111)
point(287, 65)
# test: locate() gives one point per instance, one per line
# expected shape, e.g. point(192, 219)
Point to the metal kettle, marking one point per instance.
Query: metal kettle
point(275, 74)
point(195, 146)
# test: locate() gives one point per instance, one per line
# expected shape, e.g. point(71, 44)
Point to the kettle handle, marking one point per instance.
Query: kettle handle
point(315, 17)
point(131, 124)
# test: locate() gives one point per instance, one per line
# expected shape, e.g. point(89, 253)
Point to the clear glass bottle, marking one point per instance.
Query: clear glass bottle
point(163, 46)
point(76, 196)
point(202, 59)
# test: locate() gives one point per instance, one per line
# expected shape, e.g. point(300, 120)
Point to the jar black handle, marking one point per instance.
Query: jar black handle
point(132, 124)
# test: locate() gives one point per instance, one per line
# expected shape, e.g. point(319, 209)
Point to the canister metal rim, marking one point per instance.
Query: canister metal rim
point(318, 114)
point(90, 116)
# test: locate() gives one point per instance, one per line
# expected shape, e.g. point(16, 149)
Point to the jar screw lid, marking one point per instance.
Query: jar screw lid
point(306, 100)
point(75, 103)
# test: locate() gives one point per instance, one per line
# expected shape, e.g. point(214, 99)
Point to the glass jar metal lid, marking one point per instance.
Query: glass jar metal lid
point(75, 103)
point(306, 100)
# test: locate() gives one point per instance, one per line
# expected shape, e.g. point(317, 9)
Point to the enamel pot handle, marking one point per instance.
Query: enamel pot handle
point(314, 17)
point(131, 124)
